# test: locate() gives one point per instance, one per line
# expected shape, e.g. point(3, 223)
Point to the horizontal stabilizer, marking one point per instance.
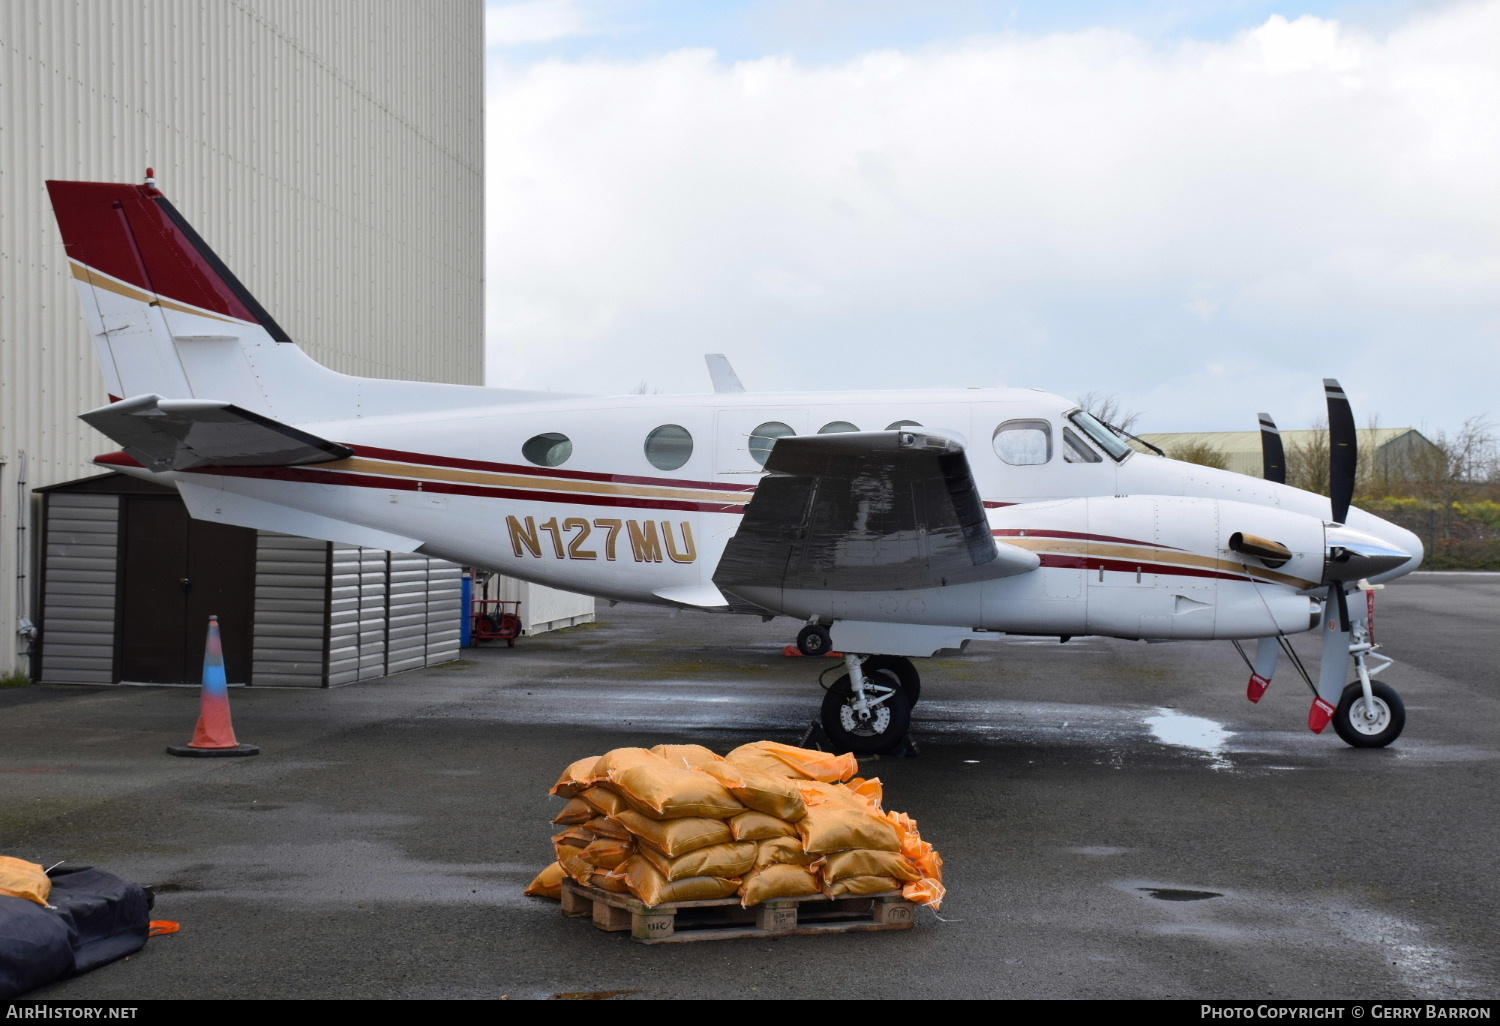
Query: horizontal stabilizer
point(181, 434)
point(866, 511)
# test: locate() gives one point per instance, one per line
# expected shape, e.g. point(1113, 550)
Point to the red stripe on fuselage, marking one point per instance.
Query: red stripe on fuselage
point(308, 475)
point(1009, 532)
point(424, 459)
point(1123, 566)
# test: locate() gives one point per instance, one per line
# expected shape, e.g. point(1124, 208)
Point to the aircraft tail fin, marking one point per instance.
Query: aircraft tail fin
point(169, 319)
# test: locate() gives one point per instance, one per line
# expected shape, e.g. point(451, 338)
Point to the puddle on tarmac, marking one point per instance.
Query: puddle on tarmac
point(1179, 894)
point(1180, 730)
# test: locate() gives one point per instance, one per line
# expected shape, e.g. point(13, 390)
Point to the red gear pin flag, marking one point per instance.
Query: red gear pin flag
point(214, 736)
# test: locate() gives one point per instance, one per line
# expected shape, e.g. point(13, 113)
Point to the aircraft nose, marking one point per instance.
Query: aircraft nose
point(1401, 540)
point(1358, 555)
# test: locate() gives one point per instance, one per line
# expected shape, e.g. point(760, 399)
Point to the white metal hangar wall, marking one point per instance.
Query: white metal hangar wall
point(330, 152)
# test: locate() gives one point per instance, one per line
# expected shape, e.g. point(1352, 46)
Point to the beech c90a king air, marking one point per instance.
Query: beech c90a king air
point(893, 523)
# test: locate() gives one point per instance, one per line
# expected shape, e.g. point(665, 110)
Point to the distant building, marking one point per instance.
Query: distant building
point(330, 152)
point(1392, 450)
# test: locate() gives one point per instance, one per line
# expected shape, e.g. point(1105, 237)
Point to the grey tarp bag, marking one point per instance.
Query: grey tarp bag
point(96, 918)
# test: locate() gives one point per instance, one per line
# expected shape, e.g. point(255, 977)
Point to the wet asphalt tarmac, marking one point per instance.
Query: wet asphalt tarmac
point(379, 846)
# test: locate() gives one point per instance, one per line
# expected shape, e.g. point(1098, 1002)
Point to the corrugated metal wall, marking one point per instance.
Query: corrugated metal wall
point(331, 152)
point(291, 610)
point(82, 554)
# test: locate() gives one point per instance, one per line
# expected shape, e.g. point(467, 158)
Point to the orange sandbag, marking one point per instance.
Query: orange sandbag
point(604, 826)
point(817, 793)
point(573, 837)
point(607, 852)
point(856, 885)
point(564, 851)
point(548, 883)
point(863, 862)
point(604, 801)
point(830, 828)
point(784, 850)
point(663, 791)
point(800, 762)
point(777, 881)
point(757, 826)
point(575, 778)
point(775, 796)
point(607, 880)
point(871, 789)
point(620, 758)
point(723, 860)
point(578, 869)
point(676, 837)
point(648, 884)
point(576, 811)
point(925, 891)
point(22, 879)
point(688, 756)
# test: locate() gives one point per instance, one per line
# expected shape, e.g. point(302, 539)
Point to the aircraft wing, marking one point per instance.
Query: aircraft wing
point(866, 511)
point(180, 434)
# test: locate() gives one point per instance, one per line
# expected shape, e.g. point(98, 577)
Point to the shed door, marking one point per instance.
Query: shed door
point(175, 573)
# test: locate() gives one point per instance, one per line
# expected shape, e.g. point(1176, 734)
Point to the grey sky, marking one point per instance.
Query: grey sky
point(1202, 207)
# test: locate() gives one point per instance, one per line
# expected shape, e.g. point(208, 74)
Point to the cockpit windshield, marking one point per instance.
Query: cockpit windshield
point(1102, 436)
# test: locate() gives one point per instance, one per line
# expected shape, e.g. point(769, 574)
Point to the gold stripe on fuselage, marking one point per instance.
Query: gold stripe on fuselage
point(1107, 550)
point(549, 484)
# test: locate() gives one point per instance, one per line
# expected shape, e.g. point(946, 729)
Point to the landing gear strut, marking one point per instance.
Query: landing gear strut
point(867, 711)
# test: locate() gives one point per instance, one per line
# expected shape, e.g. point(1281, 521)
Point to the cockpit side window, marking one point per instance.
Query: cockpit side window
point(1076, 450)
point(1102, 436)
point(1023, 443)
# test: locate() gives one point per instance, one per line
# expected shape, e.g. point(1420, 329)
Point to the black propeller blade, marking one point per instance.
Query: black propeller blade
point(1273, 459)
point(1343, 450)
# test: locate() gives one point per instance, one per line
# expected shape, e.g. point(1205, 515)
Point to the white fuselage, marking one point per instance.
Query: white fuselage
point(1134, 548)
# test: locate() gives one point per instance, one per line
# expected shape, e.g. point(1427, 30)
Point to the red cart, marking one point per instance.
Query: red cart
point(496, 619)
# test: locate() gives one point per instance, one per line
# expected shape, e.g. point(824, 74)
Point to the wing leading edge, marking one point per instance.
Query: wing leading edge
point(866, 511)
point(181, 434)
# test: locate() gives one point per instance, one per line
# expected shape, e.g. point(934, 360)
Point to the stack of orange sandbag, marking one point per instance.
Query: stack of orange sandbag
point(682, 823)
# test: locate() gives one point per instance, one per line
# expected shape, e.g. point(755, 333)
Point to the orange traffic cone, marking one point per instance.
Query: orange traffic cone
point(214, 736)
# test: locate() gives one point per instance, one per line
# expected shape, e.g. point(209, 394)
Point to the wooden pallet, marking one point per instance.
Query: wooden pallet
point(725, 919)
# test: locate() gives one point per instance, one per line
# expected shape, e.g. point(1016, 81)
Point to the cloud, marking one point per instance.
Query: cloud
point(1205, 229)
point(533, 21)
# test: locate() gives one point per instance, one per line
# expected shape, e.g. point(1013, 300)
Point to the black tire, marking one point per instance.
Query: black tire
point(1369, 732)
point(902, 670)
point(814, 640)
point(885, 730)
point(485, 627)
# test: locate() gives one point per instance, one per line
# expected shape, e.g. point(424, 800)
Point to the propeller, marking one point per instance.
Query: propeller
point(1343, 450)
point(1350, 556)
point(1272, 456)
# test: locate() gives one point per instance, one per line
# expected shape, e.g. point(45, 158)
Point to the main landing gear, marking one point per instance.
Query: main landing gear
point(867, 711)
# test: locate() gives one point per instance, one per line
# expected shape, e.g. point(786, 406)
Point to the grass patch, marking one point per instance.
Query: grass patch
point(15, 679)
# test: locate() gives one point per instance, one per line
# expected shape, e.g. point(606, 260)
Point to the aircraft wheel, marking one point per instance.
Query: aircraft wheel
point(882, 732)
point(903, 670)
point(1372, 724)
point(814, 640)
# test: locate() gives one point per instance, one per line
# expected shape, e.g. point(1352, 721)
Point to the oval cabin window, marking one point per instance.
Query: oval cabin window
point(763, 437)
point(669, 447)
point(837, 427)
point(901, 425)
point(549, 450)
